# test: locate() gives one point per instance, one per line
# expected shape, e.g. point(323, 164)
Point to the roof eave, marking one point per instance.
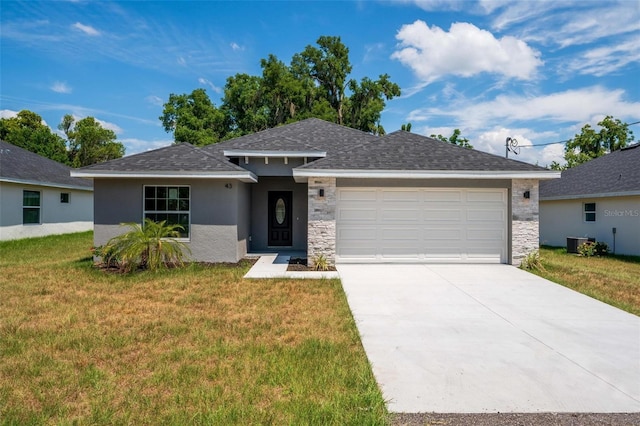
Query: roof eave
point(47, 184)
point(301, 175)
point(592, 195)
point(272, 154)
point(247, 176)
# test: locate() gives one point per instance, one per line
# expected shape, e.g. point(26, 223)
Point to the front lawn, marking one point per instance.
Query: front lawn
point(193, 346)
point(612, 279)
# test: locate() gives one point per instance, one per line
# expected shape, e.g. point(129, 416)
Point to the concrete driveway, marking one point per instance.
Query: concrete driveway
point(491, 338)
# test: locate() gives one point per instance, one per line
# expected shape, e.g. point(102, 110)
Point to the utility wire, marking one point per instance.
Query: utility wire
point(565, 141)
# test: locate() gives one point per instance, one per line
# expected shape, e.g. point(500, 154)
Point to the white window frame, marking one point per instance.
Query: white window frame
point(586, 212)
point(38, 207)
point(187, 212)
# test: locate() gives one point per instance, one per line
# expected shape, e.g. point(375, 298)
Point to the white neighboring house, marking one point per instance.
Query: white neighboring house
point(598, 199)
point(38, 196)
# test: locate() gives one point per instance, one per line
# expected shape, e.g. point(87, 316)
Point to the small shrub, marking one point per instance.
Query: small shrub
point(152, 246)
point(532, 262)
point(589, 249)
point(320, 263)
point(107, 255)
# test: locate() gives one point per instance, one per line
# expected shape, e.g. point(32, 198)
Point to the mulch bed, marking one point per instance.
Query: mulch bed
point(300, 264)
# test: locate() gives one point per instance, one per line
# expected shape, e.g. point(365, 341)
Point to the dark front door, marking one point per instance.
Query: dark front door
point(280, 218)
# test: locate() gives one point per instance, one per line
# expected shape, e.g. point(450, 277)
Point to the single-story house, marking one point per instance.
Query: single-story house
point(599, 199)
point(38, 197)
point(328, 190)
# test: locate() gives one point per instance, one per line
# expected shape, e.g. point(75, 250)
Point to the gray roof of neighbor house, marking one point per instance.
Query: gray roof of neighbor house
point(21, 166)
point(409, 151)
point(180, 159)
point(617, 173)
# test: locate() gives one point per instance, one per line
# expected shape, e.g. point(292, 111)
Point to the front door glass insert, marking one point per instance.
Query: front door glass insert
point(280, 211)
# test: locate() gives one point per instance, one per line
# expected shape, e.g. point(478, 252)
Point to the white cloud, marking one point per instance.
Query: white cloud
point(61, 87)
point(181, 61)
point(154, 100)
point(606, 60)
point(87, 29)
point(206, 82)
point(465, 50)
point(7, 113)
point(236, 46)
point(135, 146)
point(581, 106)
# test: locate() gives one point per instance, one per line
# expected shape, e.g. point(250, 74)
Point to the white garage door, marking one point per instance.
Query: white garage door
point(449, 225)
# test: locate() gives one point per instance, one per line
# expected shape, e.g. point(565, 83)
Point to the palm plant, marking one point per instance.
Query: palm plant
point(150, 246)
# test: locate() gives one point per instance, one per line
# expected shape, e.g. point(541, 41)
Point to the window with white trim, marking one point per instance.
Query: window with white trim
point(30, 207)
point(170, 203)
point(64, 197)
point(589, 212)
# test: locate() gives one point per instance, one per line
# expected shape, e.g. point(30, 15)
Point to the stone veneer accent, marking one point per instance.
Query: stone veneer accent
point(321, 230)
point(525, 228)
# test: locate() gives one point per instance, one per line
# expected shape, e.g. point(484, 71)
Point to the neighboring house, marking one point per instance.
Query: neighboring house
point(38, 197)
point(328, 190)
point(598, 199)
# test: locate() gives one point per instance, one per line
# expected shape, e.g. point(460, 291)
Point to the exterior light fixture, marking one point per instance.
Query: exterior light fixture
point(527, 194)
point(321, 192)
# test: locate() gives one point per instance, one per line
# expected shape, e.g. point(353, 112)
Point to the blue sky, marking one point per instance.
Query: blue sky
point(536, 71)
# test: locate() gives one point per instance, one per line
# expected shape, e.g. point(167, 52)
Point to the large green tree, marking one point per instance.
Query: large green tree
point(455, 139)
point(27, 131)
point(590, 144)
point(193, 118)
point(89, 142)
point(315, 84)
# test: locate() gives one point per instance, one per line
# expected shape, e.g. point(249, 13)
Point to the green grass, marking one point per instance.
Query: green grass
point(198, 345)
point(611, 279)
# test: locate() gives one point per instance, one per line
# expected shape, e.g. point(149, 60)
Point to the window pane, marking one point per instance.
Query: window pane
point(590, 217)
point(173, 193)
point(184, 192)
point(172, 205)
point(161, 205)
point(31, 215)
point(150, 192)
point(31, 198)
point(161, 192)
point(149, 204)
point(184, 205)
point(590, 207)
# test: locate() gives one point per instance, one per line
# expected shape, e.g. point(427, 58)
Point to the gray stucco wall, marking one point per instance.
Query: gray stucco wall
point(260, 218)
point(244, 218)
point(214, 235)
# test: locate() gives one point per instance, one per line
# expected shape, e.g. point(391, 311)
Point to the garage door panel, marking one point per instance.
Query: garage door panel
point(357, 195)
point(401, 196)
point(453, 225)
point(357, 215)
point(404, 215)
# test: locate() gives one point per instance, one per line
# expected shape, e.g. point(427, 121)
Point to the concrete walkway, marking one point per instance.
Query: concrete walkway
point(491, 338)
point(274, 265)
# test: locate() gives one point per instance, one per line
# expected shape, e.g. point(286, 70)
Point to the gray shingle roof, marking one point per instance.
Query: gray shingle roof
point(310, 134)
point(182, 157)
point(614, 173)
point(409, 151)
point(19, 165)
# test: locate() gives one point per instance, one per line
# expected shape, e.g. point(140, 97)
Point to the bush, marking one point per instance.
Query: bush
point(532, 262)
point(589, 249)
point(320, 263)
point(152, 246)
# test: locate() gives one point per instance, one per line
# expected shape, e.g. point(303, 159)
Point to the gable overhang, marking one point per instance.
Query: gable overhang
point(302, 175)
point(252, 153)
point(247, 176)
point(590, 196)
point(47, 184)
